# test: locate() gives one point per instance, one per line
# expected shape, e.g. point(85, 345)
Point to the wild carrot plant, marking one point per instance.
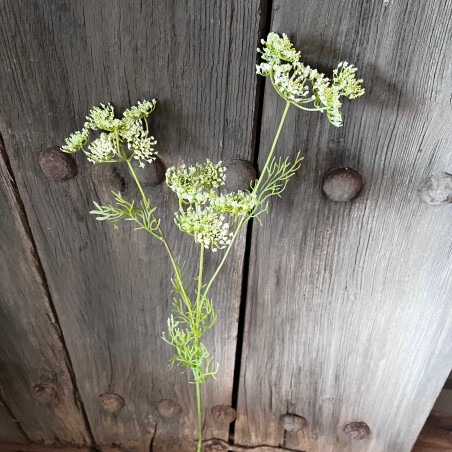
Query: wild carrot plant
point(211, 217)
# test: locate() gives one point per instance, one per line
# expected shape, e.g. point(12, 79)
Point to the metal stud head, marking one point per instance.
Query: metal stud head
point(293, 422)
point(342, 184)
point(57, 165)
point(169, 408)
point(356, 430)
point(112, 403)
point(239, 175)
point(223, 414)
point(436, 189)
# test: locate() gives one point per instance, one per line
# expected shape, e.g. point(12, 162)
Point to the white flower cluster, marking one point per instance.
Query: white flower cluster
point(76, 141)
point(196, 184)
point(103, 149)
point(109, 146)
point(205, 225)
point(139, 142)
point(236, 203)
point(289, 76)
point(203, 218)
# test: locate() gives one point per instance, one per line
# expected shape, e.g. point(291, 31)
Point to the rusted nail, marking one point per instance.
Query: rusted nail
point(169, 408)
point(112, 403)
point(45, 392)
point(293, 422)
point(436, 189)
point(152, 174)
point(223, 414)
point(57, 165)
point(342, 184)
point(239, 175)
point(356, 430)
point(109, 176)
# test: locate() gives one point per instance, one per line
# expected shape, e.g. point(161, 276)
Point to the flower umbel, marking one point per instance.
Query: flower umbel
point(299, 84)
point(120, 139)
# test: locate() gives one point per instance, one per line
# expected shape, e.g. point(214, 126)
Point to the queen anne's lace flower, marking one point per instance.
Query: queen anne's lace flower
point(76, 141)
point(281, 62)
point(103, 149)
point(205, 225)
point(111, 144)
point(140, 143)
point(236, 203)
point(196, 184)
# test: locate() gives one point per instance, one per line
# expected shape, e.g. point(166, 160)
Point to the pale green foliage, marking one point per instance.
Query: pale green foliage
point(121, 139)
point(299, 84)
point(277, 176)
point(125, 210)
point(188, 323)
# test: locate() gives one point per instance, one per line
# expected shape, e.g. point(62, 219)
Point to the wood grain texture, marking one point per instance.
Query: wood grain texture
point(31, 349)
point(112, 287)
point(9, 430)
point(348, 311)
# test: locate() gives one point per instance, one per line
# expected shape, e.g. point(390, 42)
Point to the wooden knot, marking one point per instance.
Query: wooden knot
point(45, 392)
point(112, 403)
point(169, 408)
point(57, 165)
point(293, 422)
point(356, 430)
point(152, 174)
point(342, 184)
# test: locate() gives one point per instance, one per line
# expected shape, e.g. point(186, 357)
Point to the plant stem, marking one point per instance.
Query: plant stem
point(198, 372)
point(162, 236)
point(244, 218)
point(198, 400)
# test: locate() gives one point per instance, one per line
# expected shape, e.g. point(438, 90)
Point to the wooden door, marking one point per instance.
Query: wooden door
point(331, 315)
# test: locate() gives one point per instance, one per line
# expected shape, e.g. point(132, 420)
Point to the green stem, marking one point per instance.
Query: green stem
point(198, 372)
point(244, 218)
point(162, 237)
point(198, 400)
point(272, 150)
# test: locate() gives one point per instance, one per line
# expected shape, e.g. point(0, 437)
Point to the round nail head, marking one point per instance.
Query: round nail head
point(45, 392)
point(342, 184)
point(293, 422)
point(57, 165)
point(436, 189)
point(108, 175)
point(357, 430)
point(112, 403)
point(239, 175)
point(151, 174)
point(223, 414)
point(169, 408)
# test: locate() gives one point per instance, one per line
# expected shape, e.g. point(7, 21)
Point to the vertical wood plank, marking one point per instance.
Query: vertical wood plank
point(348, 312)
point(9, 431)
point(112, 287)
point(31, 352)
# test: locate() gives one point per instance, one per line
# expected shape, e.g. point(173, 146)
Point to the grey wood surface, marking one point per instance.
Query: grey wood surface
point(349, 308)
point(9, 431)
point(31, 351)
point(111, 288)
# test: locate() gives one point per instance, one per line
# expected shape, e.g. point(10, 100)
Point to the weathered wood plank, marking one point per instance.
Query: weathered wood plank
point(348, 313)
point(31, 349)
point(112, 287)
point(9, 430)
